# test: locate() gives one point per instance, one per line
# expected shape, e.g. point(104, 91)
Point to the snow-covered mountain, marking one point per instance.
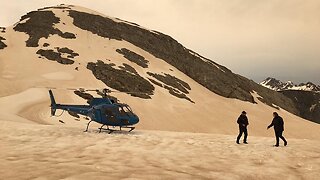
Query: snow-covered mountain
point(306, 96)
point(278, 85)
point(65, 47)
point(179, 90)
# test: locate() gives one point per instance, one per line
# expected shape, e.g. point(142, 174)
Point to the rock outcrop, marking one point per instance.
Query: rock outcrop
point(39, 24)
point(133, 57)
point(307, 102)
point(57, 56)
point(121, 79)
point(2, 44)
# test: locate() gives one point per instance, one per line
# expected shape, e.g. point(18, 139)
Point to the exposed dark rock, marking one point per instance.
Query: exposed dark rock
point(177, 94)
point(3, 29)
point(68, 35)
point(46, 44)
point(172, 81)
point(40, 25)
point(133, 57)
point(307, 102)
point(2, 44)
point(176, 86)
point(54, 56)
point(121, 80)
point(66, 50)
point(211, 75)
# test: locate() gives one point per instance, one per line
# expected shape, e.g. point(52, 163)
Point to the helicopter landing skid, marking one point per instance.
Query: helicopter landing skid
point(87, 126)
point(113, 130)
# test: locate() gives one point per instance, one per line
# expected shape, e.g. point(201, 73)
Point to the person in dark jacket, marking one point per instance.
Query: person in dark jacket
point(278, 126)
point(243, 123)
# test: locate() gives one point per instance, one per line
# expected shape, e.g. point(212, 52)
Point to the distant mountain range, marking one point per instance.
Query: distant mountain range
point(306, 96)
point(278, 85)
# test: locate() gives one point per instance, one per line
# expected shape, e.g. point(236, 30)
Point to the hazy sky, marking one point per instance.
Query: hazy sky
point(254, 38)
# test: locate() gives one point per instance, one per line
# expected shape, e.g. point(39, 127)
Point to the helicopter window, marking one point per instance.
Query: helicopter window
point(122, 111)
point(127, 109)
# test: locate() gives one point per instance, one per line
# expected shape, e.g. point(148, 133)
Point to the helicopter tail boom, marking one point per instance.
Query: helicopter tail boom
point(53, 103)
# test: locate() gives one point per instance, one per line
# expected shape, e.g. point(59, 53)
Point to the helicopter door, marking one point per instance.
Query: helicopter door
point(110, 114)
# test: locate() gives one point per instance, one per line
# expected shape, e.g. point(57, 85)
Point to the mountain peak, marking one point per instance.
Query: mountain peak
point(278, 85)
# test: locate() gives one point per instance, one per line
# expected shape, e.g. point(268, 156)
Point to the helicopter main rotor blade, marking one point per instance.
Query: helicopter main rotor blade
point(105, 90)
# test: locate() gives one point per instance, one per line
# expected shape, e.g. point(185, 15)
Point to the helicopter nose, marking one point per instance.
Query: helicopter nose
point(135, 119)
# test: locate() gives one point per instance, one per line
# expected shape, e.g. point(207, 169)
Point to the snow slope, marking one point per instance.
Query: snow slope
point(57, 152)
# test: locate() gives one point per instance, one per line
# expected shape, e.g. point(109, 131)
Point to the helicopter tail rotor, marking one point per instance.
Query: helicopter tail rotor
point(53, 103)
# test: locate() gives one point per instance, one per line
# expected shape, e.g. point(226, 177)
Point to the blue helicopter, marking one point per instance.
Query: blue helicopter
point(101, 110)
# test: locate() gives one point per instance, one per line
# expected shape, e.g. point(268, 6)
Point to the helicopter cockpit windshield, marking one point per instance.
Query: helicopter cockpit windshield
point(125, 110)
